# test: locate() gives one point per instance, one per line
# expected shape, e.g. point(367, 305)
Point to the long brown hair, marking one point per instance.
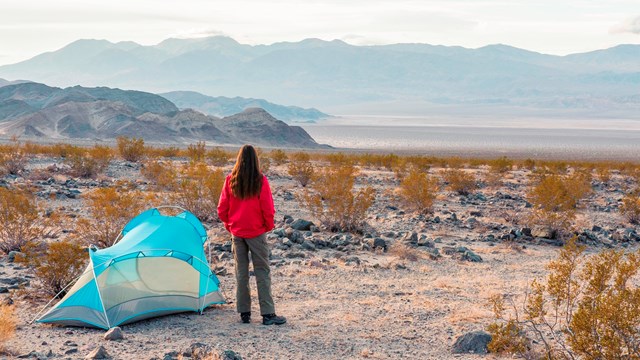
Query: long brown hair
point(246, 177)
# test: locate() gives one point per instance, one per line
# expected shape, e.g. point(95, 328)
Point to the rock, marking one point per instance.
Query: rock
point(526, 231)
point(379, 243)
point(542, 232)
point(36, 355)
point(11, 257)
point(475, 213)
point(307, 245)
point(295, 254)
point(115, 333)
point(433, 253)
point(288, 219)
point(229, 355)
point(471, 256)
point(474, 342)
point(98, 353)
point(436, 219)
point(411, 238)
point(596, 228)
point(302, 225)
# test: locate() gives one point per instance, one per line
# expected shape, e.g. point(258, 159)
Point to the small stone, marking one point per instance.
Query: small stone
point(98, 353)
point(541, 232)
point(115, 333)
point(302, 225)
point(379, 243)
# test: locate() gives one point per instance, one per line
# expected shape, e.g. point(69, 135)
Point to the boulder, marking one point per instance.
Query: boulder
point(379, 243)
point(474, 342)
point(302, 225)
point(541, 232)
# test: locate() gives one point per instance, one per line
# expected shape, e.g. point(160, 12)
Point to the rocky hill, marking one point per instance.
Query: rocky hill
point(222, 106)
point(40, 111)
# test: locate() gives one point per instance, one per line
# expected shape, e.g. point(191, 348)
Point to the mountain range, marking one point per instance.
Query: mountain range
point(334, 75)
point(40, 111)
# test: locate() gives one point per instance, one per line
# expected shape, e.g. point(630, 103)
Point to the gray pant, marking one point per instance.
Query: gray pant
point(259, 250)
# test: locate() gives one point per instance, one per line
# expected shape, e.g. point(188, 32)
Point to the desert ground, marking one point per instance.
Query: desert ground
point(343, 298)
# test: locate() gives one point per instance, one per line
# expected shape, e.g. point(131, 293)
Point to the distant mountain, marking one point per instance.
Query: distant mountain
point(40, 111)
point(4, 82)
point(333, 74)
point(223, 106)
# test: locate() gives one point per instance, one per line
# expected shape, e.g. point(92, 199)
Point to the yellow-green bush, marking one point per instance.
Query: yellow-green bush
point(199, 190)
point(110, 209)
point(13, 159)
point(589, 308)
point(218, 156)
point(91, 162)
point(300, 168)
point(55, 265)
point(333, 200)
point(7, 326)
point(460, 181)
point(419, 190)
point(196, 152)
point(20, 220)
point(131, 149)
point(278, 156)
point(630, 207)
point(163, 174)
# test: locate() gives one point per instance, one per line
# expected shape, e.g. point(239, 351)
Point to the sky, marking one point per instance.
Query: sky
point(560, 27)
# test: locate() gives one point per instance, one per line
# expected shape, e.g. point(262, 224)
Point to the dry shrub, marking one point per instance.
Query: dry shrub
point(20, 220)
point(555, 199)
point(55, 265)
point(404, 252)
point(265, 164)
point(110, 209)
point(7, 325)
point(589, 308)
point(131, 149)
point(400, 168)
point(199, 190)
point(218, 156)
point(460, 181)
point(165, 151)
point(529, 164)
point(339, 159)
point(604, 174)
point(419, 190)
point(161, 173)
point(501, 165)
point(332, 199)
point(493, 179)
point(300, 168)
point(13, 159)
point(630, 207)
point(196, 152)
point(278, 156)
point(90, 163)
point(63, 150)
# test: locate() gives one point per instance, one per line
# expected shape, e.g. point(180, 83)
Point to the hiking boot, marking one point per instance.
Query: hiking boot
point(245, 317)
point(273, 319)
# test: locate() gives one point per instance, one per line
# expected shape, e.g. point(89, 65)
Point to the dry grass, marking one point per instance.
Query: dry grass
point(7, 326)
point(404, 252)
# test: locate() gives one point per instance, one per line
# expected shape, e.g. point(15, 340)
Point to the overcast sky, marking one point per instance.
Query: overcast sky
point(30, 27)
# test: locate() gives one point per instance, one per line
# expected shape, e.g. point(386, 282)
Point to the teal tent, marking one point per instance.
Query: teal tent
point(157, 268)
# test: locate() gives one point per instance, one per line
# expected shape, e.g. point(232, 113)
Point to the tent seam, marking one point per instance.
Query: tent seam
point(95, 278)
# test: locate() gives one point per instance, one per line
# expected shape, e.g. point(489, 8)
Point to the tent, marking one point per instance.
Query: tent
point(157, 268)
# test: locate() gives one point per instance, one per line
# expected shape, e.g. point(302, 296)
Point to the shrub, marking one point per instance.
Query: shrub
point(265, 164)
point(7, 325)
point(90, 163)
point(460, 181)
point(630, 207)
point(418, 190)
point(165, 152)
point(196, 152)
point(529, 164)
point(110, 209)
point(604, 174)
point(199, 190)
point(501, 165)
point(332, 199)
point(20, 221)
point(55, 265)
point(555, 199)
point(161, 173)
point(218, 156)
point(13, 159)
point(63, 150)
point(131, 149)
point(589, 308)
point(278, 156)
point(404, 252)
point(400, 167)
point(300, 168)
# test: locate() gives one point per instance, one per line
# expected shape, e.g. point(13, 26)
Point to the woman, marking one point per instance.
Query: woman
point(246, 209)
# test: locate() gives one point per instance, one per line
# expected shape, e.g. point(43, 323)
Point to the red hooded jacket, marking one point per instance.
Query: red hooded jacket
point(249, 217)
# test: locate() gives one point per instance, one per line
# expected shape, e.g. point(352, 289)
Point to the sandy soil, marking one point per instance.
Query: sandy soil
point(348, 302)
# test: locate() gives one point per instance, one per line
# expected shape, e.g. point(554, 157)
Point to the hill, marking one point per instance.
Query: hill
point(40, 111)
point(335, 75)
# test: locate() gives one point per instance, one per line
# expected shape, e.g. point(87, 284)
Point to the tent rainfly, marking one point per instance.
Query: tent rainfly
point(157, 268)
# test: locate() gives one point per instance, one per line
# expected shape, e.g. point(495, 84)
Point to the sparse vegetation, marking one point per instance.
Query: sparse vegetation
point(333, 200)
point(418, 190)
point(13, 158)
point(7, 326)
point(110, 210)
point(300, 168)
point(90, 163)
point(218, 156)
point(460, 181)
point(588, 309)
point(163, 174)
point(630, 207)
point(404, 252)
point(55, 265)
point(278, 156)
point(20, 220)
point(199, 190)
point(131, 149)
point(196, 152)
